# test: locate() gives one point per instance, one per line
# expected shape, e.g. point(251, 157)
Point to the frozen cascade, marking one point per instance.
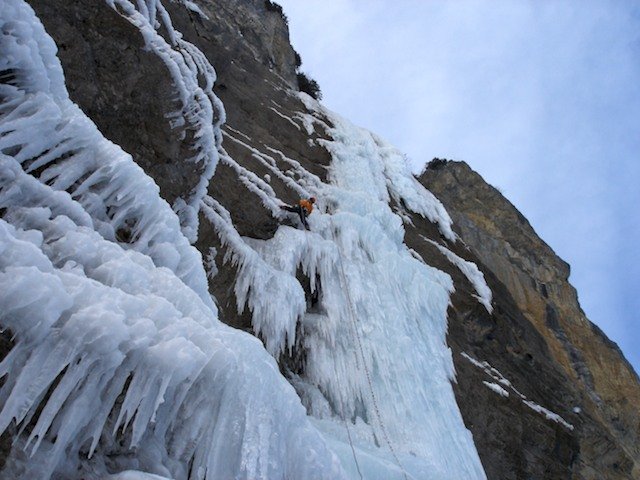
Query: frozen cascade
point(117, 345)
point(107, 191)
point(371, 290)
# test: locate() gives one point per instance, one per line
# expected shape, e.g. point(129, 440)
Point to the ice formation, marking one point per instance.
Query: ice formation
point(496, 388)
point(117, 344)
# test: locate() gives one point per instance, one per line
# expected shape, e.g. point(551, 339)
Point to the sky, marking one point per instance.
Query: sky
point(542, 98)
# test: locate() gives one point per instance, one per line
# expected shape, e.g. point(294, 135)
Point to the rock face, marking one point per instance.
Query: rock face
point(572, 404)
point(607, 389)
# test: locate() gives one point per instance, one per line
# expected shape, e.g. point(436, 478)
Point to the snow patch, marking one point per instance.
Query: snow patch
point(134, 475)
point(496, 388)
point(549, 415)
point(503, 382)
point(192, 6)
point(471, 271)
point(270, 163)
point(282, 115)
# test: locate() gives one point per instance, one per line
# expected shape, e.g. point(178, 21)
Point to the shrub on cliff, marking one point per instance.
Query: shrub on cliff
point(309, 86)
point(274, 7)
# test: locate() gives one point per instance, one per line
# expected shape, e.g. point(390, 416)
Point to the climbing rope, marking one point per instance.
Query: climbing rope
point(344, 420)
point(353, 450)
point(345, 287)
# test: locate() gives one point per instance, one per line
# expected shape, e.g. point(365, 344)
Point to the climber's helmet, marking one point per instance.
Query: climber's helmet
point(312, 199)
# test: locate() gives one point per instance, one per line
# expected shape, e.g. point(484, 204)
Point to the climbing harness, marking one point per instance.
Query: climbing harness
point(345, 288)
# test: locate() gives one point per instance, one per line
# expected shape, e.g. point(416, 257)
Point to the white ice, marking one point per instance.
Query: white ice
point(133, 475)
point(199, 111)
point(374, 344)
point(549, 415)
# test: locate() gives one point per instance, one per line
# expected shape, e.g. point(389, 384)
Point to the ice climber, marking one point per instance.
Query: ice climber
point(303, 208)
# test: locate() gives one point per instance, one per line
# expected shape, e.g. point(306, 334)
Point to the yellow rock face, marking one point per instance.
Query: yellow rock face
point(538, 282)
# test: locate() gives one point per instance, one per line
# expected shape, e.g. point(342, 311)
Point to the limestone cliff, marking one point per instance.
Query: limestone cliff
point(572, 404)
point(608, 393)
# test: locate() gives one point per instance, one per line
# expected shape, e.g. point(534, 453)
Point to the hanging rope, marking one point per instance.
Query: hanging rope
point(353, 450)
point(344, 420)
point(345, 287)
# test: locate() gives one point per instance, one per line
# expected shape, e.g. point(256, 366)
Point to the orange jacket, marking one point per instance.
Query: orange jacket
point(307, 205)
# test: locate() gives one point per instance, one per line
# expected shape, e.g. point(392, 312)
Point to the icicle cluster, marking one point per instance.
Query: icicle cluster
point(119, 363)
point(68, 155)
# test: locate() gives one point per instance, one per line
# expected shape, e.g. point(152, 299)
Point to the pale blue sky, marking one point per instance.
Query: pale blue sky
point(541, 97)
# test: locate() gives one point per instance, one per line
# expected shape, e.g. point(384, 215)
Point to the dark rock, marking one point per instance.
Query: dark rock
point(6, 438)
